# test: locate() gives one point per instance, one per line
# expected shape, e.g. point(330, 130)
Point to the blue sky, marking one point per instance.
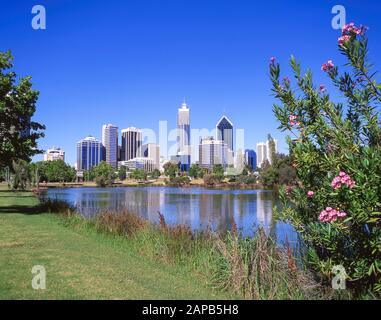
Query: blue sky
point(130, 63)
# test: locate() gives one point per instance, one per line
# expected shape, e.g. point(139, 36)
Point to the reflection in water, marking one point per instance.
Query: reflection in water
point(196, 207)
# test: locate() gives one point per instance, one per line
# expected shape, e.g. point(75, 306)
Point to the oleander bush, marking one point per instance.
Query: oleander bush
point(336, 151)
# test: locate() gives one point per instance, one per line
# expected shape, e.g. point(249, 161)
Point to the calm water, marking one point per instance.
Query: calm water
point(198, 208)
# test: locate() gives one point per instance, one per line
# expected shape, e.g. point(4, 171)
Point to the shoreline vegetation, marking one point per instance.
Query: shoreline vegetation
point(158, 183)
point(226, 265)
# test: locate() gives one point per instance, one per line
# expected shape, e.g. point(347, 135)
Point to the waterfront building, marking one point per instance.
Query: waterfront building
point(54, 154)
point(152, 151)
point(212, 152)
point(89, 153)
point(261, 154)
point(224, 132)
point(251, 159)
point(183, 137)
point(146, 164)
point(131, 143)
point(110, 144)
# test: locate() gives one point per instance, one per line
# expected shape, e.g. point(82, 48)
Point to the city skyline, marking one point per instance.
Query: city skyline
point(149, 56)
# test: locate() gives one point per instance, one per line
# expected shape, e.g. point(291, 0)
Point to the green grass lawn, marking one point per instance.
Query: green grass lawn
point(81, 264)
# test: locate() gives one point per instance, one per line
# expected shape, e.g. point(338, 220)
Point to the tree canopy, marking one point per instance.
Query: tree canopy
point(18, 133)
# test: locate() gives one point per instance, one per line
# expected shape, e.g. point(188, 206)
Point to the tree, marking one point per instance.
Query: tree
point(21, 176)
point(139, 174)
point(171, 170)
point(155, 174)
point(195, 171)
point(54, 171)
point(18, 133)
point(336, 150)
point(122, 173)
point(104, 174)
point(218, 170)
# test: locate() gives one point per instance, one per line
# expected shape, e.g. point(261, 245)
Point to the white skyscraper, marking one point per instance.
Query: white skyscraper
point(110, 144)
point(183, 130)
point(264, 152)
point(152, 151)
point(212, 152)
point(261, 153)
point(183, 138)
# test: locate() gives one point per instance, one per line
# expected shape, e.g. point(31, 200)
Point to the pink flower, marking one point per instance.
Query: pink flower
point(272, 60)
point(294, 120)
point(342, 214)
point(342, 179)
point(322, 88)
point(310, 194)
point(344, 39)
point(351, 30)
point(331, 215)
point(327, 66)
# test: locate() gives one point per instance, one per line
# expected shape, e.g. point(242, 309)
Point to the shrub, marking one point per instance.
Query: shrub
point(337, 155)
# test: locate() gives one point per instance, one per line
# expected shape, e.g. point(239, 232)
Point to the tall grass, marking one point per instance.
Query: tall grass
point(249, 268)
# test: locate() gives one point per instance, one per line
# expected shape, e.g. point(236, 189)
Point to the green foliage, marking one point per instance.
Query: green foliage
point(18, 133)
point(212, 179)
point(171, 170)
point(280, 172)
point(21, 175)
point(139, 174)
point(218, 170)
point(122, 173)
point(196, 171)
point(155, 174)
point(104, 174)
point(53, 171)
point(179, 181)
point(329, 138)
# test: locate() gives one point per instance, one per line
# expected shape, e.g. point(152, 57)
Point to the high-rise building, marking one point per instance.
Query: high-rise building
point(110, 144)
point(264, 152)
point(212, 152)
point(54, 154)
point(183, 129)
point(131, 143)
point(224, 132)
point(89, 153)
point(261, 154)
point(183, 137)
point(152, 151)
point(251, 159)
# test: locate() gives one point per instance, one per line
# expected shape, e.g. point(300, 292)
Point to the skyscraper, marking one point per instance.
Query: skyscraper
point(183, 129)
point(224, 132)
point(89, 153)
point(183, 137)
point(110, 144)
point(251, 159)
point(131, 143)
point(212, 152)
point(152, 151)
point(261, 154)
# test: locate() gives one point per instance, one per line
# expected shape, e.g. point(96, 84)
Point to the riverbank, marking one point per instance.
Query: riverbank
point(196, 183)
point(80, 262)
point(140, 261)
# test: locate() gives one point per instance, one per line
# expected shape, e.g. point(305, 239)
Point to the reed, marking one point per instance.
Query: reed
point(249, 268)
